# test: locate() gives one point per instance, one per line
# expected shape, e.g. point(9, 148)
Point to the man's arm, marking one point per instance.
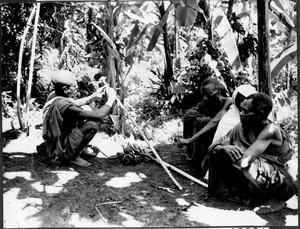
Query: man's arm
point(99, 114)
point(89, 99)
point(213, 122)
point(264, 139)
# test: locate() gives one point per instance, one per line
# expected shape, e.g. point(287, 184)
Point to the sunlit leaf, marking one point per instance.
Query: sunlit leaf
point(288, 54)
point(227, 40)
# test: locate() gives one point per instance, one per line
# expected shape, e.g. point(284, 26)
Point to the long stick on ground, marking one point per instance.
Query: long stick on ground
point(145, 138)
point(179, 171)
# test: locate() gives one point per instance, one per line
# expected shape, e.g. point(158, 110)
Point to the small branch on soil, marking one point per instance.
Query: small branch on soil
point(105, 221)
point(111, 202)
point(179, 171)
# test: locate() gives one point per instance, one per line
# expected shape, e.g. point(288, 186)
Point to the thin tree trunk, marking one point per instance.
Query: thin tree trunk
point(230, 6)
point(28, 95)
point(111, 61)
point(264, 74)
point(20, 66)
point(169, 68)
point(177, 45)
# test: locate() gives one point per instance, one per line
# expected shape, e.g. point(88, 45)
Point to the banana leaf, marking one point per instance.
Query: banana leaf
point(158, 30)
point(279, 12)
point(227, 40)
point(134, 33)
point(133, 46)
point(112, 45)
point(186, 12)
point(288, 54)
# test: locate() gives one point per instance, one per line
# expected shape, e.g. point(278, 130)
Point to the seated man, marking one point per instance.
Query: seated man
point(232, 117)
point(200, 122)
point(67, 127)
point(248, 165)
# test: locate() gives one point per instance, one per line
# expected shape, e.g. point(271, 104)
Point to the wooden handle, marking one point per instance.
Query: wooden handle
point(145, 138)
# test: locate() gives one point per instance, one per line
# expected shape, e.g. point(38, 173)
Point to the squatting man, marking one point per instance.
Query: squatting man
point(67, 126)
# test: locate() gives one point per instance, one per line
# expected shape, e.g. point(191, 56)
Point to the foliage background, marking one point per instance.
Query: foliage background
point(66, 39)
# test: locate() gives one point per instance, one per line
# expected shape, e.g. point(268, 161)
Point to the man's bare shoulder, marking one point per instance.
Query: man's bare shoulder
point(227, 104)
point(272, 131)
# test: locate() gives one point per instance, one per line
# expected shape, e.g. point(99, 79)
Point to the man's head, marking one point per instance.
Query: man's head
point(64, 83)
point(210, 89)
point(240, 93)
point(255, 110)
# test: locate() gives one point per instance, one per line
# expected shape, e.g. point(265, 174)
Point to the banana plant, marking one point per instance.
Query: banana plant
point(286, 20)
point(287, 55)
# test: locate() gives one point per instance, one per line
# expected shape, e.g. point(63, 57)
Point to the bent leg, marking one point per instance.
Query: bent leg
point(88, 130)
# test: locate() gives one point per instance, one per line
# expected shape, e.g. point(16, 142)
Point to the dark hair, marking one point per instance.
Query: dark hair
point(217, 84)
point(59, 88)
point(213, 81)
point(261, 104)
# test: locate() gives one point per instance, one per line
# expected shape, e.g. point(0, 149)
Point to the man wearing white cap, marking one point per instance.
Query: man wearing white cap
point(232, 117)
point(67, 127)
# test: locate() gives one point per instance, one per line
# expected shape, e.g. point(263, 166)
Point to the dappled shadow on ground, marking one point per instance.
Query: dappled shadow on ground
point(9, 135)
point(36, 194)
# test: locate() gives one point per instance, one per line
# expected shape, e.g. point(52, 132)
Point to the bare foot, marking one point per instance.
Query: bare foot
point(90, 151)
point(271, 206)
point(81, 162)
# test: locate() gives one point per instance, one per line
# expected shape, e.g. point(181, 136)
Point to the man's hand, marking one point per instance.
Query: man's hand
point(182, 142)
point(99, 93)
point(224, 141)
point(246, 161)
point(234, 152)
point(111, 93)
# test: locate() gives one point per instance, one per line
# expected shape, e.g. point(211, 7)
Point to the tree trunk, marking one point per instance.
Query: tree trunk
point(177, 45)
point(111, 77)
point(264, 74)
point(168, 73)
point(20, 66)
point(28, 95)
point(230, 6)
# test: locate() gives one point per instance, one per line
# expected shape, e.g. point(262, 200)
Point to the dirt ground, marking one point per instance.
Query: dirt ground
point(110, 194)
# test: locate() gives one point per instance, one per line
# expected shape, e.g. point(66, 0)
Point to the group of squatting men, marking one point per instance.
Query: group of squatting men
point(230, 140)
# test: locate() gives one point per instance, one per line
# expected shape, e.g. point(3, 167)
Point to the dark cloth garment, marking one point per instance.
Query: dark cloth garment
point(193, 121)
point(61, 135)
point(265, 177)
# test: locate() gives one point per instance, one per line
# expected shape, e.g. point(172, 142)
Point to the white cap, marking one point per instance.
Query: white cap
point(245, 90)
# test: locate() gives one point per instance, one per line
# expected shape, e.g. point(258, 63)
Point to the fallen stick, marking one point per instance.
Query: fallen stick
point(179, 171)
point(105, 221)
point(145, 138)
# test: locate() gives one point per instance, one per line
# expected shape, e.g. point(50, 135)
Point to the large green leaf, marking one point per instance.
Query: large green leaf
point(136, 17)
point(186, 12)
point(134, 33)
point(227, 40)
point(133, 46)
point(285, 56)
point(158, 30)
point(111, 46)
point(279, 12)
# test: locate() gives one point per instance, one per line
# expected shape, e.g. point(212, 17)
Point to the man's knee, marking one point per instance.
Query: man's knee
point(89, 127)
